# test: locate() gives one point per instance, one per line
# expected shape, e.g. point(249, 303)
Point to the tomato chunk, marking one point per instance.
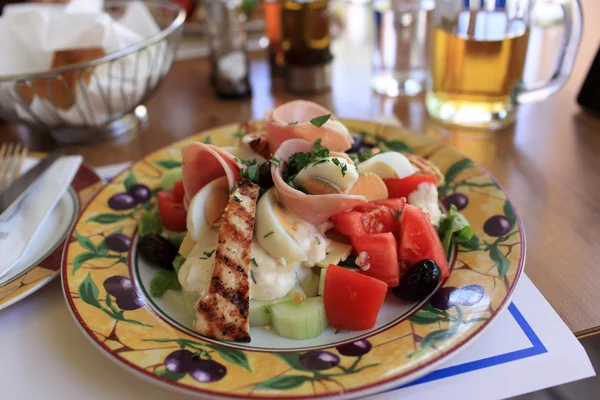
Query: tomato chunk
point(352, 300)
point(349, 223)
point(419, 240)
point(380, 252)
point(178, 190)
point(171, 211)
point(394, 204)
point(366, 219)
point(403, 187)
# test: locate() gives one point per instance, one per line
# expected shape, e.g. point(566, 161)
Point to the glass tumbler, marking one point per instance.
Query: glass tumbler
point(400, 53)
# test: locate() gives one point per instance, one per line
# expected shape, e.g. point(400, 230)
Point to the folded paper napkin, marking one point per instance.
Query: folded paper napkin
point(17, 232)
point(40, 37)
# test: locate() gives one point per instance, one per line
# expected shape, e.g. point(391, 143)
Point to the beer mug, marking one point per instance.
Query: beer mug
point(478, 50)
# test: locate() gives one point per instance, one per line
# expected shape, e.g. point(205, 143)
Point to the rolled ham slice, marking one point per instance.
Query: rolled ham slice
point(333, 134)
point(315, 209)
point(203, 163)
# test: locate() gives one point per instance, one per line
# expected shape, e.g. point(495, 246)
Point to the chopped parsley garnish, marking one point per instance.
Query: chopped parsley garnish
point(318, 240)
point(237, 199)
point(207, 254)
point(238, 135)
point(252, 276)
point(254, 262)
point(319, 121)
point(293, 123)
point(275, 161)
point(397, 214)
point(268, 234)
point(300, 160)
point(344, 169)
point(338, 330)
point(266, 310)
point(207, 140)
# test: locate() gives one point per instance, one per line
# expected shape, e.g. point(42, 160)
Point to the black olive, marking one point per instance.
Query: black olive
point(157, 250)
point(265, 179)
point(419, 281)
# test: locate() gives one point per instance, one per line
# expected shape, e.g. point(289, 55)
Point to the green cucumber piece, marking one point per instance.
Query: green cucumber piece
point(310, 284)
point(178, 262)
point(304, 321)
point(189, 302)
point(149, 222)
point(168, 179)
point(260, 314)
point(322, 281)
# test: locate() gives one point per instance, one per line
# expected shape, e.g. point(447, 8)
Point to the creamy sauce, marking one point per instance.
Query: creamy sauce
point(426, 198)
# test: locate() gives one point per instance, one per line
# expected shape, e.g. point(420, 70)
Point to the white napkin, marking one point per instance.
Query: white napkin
point(18, 231)
point(31, 34)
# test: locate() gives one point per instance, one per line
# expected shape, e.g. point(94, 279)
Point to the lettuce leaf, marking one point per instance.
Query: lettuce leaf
point(454, 228)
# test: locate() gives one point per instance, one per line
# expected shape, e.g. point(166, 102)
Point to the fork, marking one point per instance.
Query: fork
point(11, 162)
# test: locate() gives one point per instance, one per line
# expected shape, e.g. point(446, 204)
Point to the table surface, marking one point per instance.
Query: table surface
point(549, 161)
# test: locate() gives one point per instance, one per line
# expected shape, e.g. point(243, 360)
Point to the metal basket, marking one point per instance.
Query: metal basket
point(96, 99)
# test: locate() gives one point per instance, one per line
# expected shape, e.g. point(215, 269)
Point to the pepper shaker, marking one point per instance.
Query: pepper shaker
point(228, 48)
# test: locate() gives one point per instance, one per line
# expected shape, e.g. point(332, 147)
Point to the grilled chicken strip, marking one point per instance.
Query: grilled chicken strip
point(223, 312)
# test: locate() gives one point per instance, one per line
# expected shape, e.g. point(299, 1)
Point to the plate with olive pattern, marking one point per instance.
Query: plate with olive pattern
point(107, 291)
point(42, 261)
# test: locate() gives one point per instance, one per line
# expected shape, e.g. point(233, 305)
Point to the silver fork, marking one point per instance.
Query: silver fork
point(11, 162)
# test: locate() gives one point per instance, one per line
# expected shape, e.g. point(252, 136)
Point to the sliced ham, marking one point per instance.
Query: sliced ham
point(203, 163)
point(292, 121)
point(315, 209)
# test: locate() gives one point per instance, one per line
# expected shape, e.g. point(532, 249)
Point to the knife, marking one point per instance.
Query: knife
point(12, 195)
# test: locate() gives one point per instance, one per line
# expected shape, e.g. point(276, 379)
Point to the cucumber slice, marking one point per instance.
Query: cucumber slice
point(168, 179)
point(189, 302)
point(303, 321)
point(178, 262)
point(310, 284)
point(260, 314)
point(322, 281)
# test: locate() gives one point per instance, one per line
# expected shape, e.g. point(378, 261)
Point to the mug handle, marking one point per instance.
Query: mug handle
point(530, 93)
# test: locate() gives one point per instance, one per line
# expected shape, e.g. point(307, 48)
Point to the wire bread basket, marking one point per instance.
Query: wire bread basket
point(91, 100)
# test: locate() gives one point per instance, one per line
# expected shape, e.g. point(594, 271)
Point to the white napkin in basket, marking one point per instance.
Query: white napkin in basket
point(18, 231)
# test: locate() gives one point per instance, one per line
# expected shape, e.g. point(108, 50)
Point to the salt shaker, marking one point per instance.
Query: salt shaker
point(229, 52)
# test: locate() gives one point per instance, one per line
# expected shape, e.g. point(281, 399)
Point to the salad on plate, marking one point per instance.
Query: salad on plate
point(300, 227)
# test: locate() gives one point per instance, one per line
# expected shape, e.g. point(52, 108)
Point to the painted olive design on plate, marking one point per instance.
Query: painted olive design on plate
point(459, 200)
point(355, 349)
point(140, 193)
point(449, 297)
point(126, 295)
point(206, 371)
point(179, 361)
point(121, 201)
point(118, 242)
point(319, 360)
point(497, 225)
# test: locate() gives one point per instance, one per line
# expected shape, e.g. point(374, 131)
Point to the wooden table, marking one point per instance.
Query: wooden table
point(549, 161)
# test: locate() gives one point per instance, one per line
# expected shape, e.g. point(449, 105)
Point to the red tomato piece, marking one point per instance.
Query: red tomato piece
point(171, 211)
point(178, 190)
point(379, 220)
point(381, 253)
point(403, 187)
point(419, 240)
point(352, 300)
point(349, 223)
point(394, 204)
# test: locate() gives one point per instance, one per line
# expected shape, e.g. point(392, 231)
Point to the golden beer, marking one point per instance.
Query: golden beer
point(477, 66)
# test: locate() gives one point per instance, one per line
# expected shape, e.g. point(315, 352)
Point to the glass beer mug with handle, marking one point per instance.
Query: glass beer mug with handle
point(478, 50)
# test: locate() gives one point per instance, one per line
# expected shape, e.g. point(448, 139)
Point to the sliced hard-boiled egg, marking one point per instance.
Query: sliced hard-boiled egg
point(245, 153)
point(333, 175)
point(206, 207)
point(387, 165)
point(274, 227)
point(196, 272)
point(426, 198)
point(371, 186)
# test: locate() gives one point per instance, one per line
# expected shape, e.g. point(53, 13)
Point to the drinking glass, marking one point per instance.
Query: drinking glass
point(401, 42)
point(478, 51)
